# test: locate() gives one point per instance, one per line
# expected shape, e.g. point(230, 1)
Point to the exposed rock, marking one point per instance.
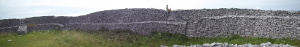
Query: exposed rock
point(233, 45)
point(22, 30)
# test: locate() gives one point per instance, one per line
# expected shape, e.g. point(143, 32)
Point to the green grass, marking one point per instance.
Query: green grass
point(119, 38)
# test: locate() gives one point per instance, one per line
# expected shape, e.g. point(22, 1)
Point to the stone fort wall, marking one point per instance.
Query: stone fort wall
point(192, 23)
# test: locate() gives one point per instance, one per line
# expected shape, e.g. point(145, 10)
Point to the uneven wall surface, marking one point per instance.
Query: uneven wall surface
point(192, 23)
point(271, 27)
point(9, 25)
point(145, 27)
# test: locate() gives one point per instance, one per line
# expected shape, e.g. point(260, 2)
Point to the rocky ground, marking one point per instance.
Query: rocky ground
point(268, 44)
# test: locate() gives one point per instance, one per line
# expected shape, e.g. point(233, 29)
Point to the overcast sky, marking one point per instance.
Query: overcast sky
point(30, 8)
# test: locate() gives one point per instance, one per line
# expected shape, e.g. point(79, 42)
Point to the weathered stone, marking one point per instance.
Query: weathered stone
point(233, 45)
point(22, 30)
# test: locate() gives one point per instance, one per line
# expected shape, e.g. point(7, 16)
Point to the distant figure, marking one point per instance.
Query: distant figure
point(169, 10)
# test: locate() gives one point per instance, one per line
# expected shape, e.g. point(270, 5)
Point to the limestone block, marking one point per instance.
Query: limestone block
point(22, 30)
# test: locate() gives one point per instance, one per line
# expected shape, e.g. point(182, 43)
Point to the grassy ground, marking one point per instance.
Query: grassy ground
point(118, 38)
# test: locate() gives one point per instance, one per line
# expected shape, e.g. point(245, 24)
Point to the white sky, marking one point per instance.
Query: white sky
point(31, 8)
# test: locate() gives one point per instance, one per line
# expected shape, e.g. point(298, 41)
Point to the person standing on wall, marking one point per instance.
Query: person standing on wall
point(168, 10)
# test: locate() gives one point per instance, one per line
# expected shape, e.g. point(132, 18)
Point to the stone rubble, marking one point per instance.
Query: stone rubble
point(268, 44)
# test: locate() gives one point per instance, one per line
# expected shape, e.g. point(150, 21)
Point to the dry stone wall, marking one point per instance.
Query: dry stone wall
point(9, 22)
point(9, 25)
point(270, 27)
point(192, 23)
point(145, 27)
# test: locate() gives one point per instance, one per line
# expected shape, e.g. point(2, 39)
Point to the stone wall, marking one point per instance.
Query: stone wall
point(145, 27)
point(9, 22)
point(39, 20)
point(48, 26)
point(243, 22)
point(9, 25)
point(270, 27)
point(192, 23)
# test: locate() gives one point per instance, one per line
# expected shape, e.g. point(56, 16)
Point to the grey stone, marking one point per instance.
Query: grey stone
point(235, 45)
point(22, 29)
